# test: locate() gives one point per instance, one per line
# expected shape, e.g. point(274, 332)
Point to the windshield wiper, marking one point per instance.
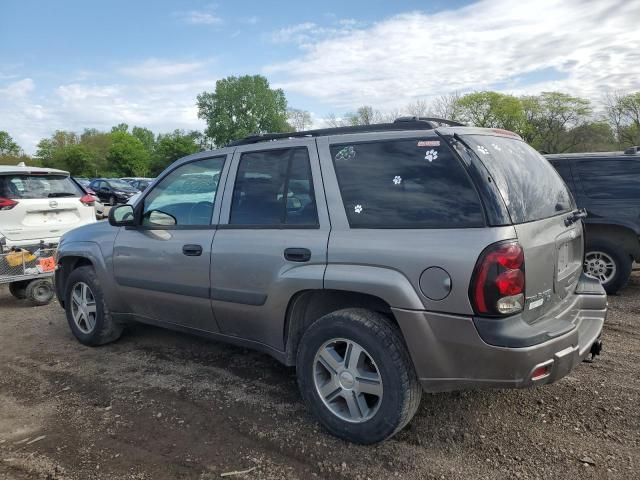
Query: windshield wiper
point(575, 216)
point(61, 194)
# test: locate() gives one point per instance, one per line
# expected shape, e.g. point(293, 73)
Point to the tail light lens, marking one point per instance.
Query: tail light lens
point(498, 283)
point(7, 203)
point(87, 200)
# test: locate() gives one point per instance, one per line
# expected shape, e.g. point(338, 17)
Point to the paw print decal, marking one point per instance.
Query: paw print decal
point(346, 153)
point(431, 155)
point(483, 150)
point(357, 208)
point(397, 180)
point(496, 147)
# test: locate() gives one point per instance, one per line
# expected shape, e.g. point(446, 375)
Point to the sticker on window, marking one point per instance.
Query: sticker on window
point(357, 208)
point(496, 147)
point(431, 155)
point(429, 143)
point(346, 153)
point(397, 180)
point(483, 150)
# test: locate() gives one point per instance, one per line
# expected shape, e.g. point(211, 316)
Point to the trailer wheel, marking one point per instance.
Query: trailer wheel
point(40, 291)
point(19, 289)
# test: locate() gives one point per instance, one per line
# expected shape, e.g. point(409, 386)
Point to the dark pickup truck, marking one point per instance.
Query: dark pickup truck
point(607, 185)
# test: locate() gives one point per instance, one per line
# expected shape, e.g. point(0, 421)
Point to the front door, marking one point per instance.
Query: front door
point(162, 265)
point(272, 240)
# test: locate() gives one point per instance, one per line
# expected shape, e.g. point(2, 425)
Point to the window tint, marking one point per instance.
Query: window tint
point(187, 193)
point(274, 187)
point(605, 178)
point(405, 184)
point(530, 186)
point(37, 186)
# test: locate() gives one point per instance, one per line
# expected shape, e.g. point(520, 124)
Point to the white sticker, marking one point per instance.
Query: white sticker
point(397, 180)
point(483, 150)
point(346, 153)
point(357, 208)
point(429, 143)
point(496, 147)
point(536, 303)
point(431, 155)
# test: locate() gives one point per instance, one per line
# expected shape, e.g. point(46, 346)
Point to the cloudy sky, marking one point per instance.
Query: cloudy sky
point(74, 64)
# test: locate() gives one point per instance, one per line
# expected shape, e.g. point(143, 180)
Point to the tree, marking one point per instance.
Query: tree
point(171, 147)
point(492, 110)
point(76, 159)
point(242, 106)
point(47, 147)
point(127, 155)
point(365, 115)
point(121, 127)
point(7, 145)
point(299, 119)
point(552, 120)
point(146, 136)
point(447, 107)
point(623, 112)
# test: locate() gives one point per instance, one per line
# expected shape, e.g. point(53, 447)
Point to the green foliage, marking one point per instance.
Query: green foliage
point(299, 119)
point(171, 147)
point(146, 136)
point(623, 112)
point(492, 110)
point(242, 106)
point(128, 156)
point(77, 159)
point(7, 145)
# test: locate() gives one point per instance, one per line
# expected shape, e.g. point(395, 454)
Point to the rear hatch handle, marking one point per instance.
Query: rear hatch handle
point(575, 216)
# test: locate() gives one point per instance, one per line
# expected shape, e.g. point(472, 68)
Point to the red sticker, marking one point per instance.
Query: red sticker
point(429, 143)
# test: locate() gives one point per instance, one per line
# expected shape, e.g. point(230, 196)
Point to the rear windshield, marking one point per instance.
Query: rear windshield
point(416, 183)
point(20, 186)
point(530, 186)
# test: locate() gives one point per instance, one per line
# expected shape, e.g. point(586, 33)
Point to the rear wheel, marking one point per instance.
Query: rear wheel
point(608, 263)
point(87, 312)
point(19, 289)
point(39, 291)
point(356, 376)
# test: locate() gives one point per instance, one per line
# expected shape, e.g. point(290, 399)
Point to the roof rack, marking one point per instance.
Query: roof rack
point(402, 123)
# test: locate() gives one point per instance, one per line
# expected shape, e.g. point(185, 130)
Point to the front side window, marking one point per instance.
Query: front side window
point(187, 194)
point(18, 186)
point(416, 183)
point(610, 179)
point(274, 187)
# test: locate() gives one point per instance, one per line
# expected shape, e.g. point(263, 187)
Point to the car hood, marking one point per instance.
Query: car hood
point(98, 232)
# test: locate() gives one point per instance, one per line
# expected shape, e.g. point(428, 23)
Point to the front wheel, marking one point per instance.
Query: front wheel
point(356, 376)
point(608, 263)
point(87, 312)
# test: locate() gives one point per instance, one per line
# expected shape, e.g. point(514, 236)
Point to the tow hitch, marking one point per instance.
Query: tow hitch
point(596, 348)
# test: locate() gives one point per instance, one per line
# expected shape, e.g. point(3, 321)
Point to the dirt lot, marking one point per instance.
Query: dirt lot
point(161, 405)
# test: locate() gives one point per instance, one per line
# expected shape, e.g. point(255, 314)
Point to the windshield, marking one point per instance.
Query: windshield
point(531, 188)
point(21, 186)
point(120, 184)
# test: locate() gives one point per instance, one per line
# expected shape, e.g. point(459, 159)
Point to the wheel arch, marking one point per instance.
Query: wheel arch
point(618, 235)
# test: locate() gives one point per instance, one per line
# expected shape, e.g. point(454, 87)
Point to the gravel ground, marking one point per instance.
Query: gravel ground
point(162, 405)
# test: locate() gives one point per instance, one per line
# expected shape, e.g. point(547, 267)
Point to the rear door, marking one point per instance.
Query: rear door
point(538, 202)
point(272, 240)
point(41, 206)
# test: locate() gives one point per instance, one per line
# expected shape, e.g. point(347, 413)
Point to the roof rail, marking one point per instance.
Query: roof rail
point(402, 123)
point(632, 150)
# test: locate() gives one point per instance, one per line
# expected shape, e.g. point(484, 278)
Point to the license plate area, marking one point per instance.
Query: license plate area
point(568, 261)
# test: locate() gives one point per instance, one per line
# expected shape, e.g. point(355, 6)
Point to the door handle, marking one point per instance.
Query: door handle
point(297, 254)
point(192, 250)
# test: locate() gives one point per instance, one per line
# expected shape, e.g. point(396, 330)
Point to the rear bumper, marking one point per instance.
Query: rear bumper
point(449, 353)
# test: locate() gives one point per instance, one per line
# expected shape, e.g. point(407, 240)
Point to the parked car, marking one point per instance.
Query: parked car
point(83, 183)
point(141, 184)
point(378, 260)
point(607, 185)
point(40, 204)
point(112, 190)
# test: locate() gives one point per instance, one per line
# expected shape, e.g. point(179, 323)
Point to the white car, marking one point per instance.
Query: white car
point(40, 204)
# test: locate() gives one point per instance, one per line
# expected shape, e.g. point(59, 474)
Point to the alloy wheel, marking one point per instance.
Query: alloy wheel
point(83, 307)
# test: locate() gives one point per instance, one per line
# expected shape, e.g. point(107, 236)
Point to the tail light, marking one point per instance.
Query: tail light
point(498, 282)
point(87, 200)
point(7, 203)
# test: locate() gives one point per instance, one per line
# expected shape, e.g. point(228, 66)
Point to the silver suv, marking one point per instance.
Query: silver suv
point(380, 261)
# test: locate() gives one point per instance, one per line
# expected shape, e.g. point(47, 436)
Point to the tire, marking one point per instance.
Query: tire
point(19, 289)
point(378, 416)
point(40, 291)
point(599, 255)
point(98, 326)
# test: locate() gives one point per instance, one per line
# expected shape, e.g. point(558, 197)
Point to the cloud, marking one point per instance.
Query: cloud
point(199, 17)
point(159, 69)
point(593, 45)
point(18, 89)
point(305, 33)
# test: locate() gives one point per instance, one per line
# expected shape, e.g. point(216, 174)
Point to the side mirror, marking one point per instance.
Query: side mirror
point(121, 216)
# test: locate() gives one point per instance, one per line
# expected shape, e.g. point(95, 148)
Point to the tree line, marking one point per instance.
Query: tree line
point(552, 122)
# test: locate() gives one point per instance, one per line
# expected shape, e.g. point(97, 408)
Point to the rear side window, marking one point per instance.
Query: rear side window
point(531, 188)
point(405, 184)
point(610, 179)
point(37, 186)
point(274, 187)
